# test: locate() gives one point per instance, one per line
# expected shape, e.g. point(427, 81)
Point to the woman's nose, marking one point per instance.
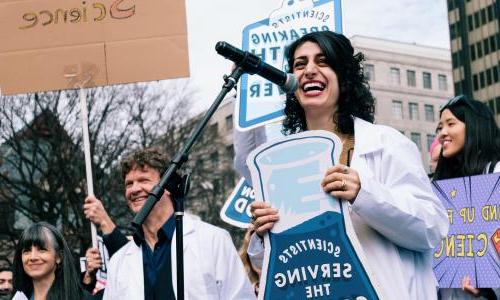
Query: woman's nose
point(33, 254)
point(310, 69)
point(442, 133)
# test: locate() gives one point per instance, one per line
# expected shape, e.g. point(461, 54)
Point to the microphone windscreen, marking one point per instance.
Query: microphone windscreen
point(291, 84)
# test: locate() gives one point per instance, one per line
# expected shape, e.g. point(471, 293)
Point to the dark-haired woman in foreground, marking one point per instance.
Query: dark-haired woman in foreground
point(396, 216)
point(43, 266)
point(471, 146)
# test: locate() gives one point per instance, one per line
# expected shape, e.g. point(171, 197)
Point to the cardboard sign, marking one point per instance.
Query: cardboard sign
point(59, 44)
point(262, 102)
point(312, 252)
point(236, 209)
point(472, 246)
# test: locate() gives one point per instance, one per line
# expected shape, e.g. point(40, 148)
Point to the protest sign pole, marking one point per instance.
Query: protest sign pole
point(82, 94)
point(86, 147)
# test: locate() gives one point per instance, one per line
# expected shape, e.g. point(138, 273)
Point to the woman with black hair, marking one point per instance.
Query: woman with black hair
point(395, 214)
point(44, 268)
point(470, 139)
point(470, 146)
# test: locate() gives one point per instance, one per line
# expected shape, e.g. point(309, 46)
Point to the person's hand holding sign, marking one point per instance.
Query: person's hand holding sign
point(342, 182)
point(263, 217)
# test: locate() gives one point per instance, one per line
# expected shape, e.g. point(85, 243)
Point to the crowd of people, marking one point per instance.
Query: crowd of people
point(380, 176)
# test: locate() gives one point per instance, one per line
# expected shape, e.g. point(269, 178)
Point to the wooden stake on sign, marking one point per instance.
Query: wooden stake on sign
point(80, 85)
point(86, 147)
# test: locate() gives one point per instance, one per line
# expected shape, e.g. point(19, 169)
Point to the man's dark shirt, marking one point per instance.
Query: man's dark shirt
point(114, 241)
point(157, 264)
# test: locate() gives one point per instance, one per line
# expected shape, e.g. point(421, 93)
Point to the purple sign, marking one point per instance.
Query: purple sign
point(472, 246)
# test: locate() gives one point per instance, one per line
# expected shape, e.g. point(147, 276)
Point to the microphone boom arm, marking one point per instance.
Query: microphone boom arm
point(170, 180)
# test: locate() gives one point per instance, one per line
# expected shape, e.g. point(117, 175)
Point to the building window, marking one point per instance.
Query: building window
point(477, 19)
point(472, 52)
point(429, 113)
point(482, 83)
point(229, 122)
point(427, 80)
point(453, 31)
point(415, 137)
point(411, 78)
point(486, 47)
point(493, 45)
point(397, 109)
point(214, 128)
point(369, 72)
point(488, 77)
point(413, 109)
point(470, 21)
point(484, 20)
point(395, 78)
point(491, 13)
point(442, 82)
point(214, 158)
point(479, 47)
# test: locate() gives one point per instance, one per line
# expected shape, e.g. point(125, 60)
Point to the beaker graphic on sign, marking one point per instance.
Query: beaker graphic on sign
point(290, 179)
point(308, 253)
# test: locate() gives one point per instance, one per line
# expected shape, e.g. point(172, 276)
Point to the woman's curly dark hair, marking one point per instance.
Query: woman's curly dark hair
point(355, 98)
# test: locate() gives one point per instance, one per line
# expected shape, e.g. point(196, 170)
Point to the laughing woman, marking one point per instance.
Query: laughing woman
point(43, 266)
point(396, 216)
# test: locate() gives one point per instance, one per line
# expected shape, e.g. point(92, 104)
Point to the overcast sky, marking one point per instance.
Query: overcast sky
point(414, 21)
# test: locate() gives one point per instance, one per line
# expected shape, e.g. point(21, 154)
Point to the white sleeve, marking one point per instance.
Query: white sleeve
point(230, 273)
point(244, 143)
point(109, 289)
point(398, 200)
point(255, 251)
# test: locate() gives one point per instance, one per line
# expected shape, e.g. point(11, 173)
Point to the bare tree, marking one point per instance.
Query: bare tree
point(42, 170)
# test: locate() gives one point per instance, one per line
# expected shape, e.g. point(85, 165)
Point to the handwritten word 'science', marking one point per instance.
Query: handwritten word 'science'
point(87, 12)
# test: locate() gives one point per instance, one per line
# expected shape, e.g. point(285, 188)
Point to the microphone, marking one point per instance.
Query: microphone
point(252, 64)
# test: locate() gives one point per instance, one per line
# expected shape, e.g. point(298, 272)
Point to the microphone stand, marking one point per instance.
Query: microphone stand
point(177, 185)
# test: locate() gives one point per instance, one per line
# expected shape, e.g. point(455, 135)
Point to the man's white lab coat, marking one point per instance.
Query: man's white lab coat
point(212, 267)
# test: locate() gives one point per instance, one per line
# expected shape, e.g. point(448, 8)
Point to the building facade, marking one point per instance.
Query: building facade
point(475, 48)
point(410, 83)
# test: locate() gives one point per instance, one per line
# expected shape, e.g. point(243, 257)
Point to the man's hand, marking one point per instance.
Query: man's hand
point(95, 212)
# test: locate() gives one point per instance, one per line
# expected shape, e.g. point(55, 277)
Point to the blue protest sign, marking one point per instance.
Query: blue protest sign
point(236, 209)
point(472, 246)
point(312, 251)
point(261, 102)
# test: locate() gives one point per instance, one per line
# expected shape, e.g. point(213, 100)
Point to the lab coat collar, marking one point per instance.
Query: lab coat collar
point(367, 137)
point(188, 228)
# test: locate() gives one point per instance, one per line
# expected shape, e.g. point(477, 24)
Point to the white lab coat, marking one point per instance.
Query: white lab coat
point(212, 267)
point(396, 216)
point(19, 296)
